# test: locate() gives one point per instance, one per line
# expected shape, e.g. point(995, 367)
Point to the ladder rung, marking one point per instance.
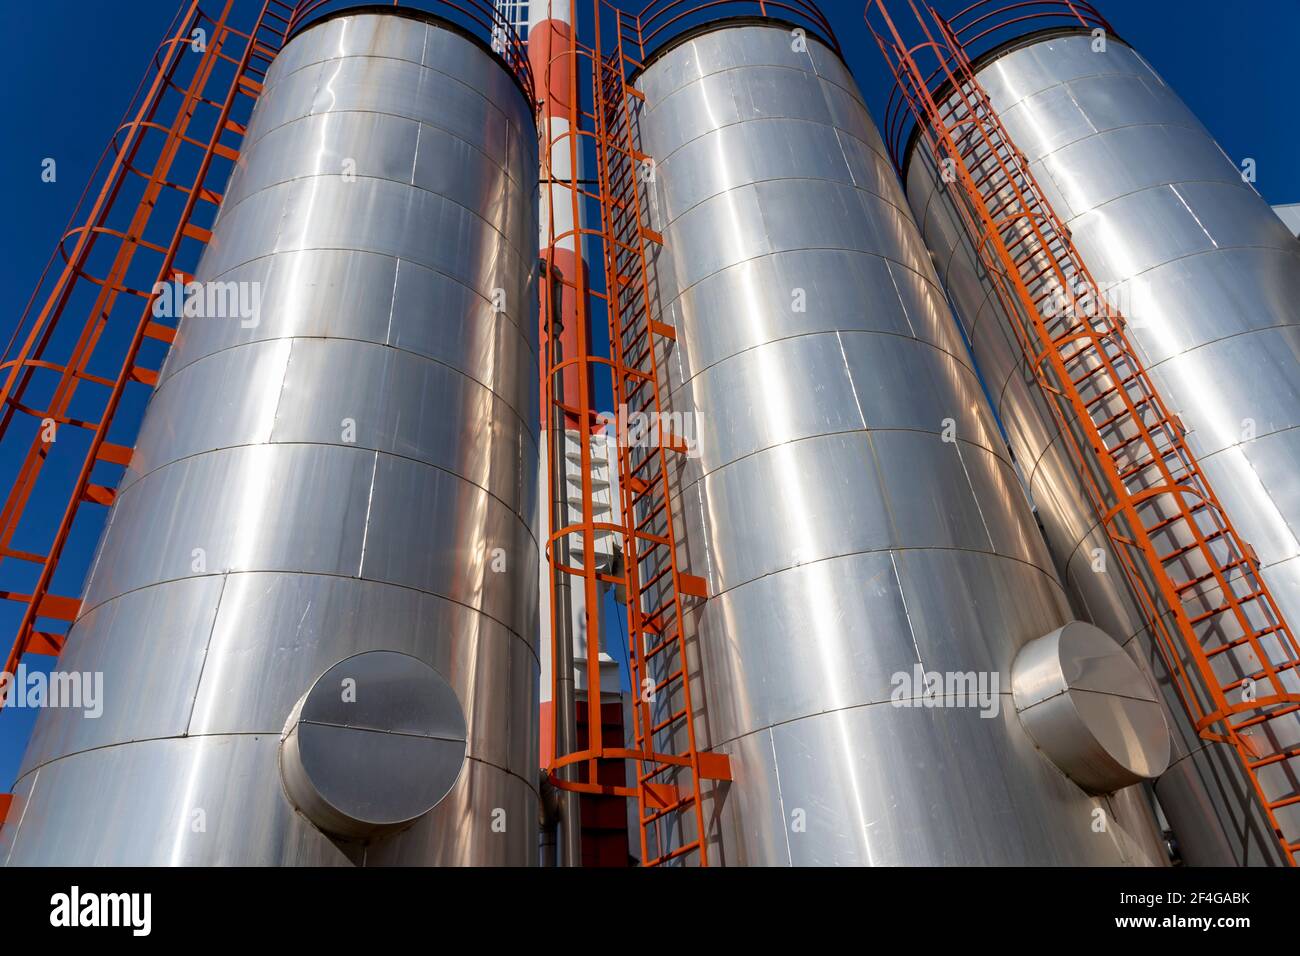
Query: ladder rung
point(1222, 648)
point(1223, 608)
point(163, 333)
point(1160, 526)
point(1208, 575)
point(680, 851)
point(197, 232)
point(1274, 758)
point(659, 814)
point(1263, 718)
point(668, 721)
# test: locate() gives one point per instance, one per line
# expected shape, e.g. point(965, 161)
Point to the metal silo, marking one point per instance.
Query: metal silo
point(1208, 278)
point(847, 495)
point(347, 468)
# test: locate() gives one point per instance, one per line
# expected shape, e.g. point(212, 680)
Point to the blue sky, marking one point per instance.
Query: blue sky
point(72, 66)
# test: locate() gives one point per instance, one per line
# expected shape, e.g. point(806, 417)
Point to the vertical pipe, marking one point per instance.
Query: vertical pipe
point(566, 731)
point(550, 27)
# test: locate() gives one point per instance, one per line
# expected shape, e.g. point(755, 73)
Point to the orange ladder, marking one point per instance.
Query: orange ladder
point(666, 763)
point(1231, 653)
point(197, 81)
point(670, 764)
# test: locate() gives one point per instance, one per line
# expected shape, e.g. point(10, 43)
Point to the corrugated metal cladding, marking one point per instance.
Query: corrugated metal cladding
point(347, 474)
point(844, 539)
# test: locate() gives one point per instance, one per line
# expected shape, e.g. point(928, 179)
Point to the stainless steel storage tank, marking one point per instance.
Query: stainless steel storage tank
point(351, 469)
point(1209, 279)
point(849, 499)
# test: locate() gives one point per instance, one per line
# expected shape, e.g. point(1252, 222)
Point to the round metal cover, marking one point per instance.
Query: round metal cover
point(1090, 709)
point(377, 741)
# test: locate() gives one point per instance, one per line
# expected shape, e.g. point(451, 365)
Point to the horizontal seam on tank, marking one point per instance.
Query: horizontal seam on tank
point(1111, 129)
point(760, 66)
point(1203, 746)
point(865, 430)
point(809, 334)
point(1204, 252)
point(406, 119)
point(331, 338)
point(1096, 525)
point(1225, 338)
point(1154, 186)
point(1231, 575)
point(1022, 363)
point(1134, 635)
point(1049, 575)
point(778, 119)
point(888, 702)
point(1002, 111)
point(789, 179)
point(952, 253)
point(397, 59)
point(382, 179)
point(988, 295)
point(1088, 690)
point(319, 574)
point(785, 252)
point(346, 338)
point(770, 119)
point(221, 733)
point(405, 734)
point(387, 255)
point(320, 444)
point(855, 95)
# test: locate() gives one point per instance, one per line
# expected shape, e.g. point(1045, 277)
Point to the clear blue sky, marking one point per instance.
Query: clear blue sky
point(72, 65)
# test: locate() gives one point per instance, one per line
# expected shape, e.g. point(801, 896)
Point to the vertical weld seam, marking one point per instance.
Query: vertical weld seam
point(207, 647)
point(975, 495)
point(415, 157)
point(853, 387)
point(780, 796)
point(370, 500)
point(907, 613)
point(901, 304)
point(18, 826)
point(279, 398)
point(392, 302)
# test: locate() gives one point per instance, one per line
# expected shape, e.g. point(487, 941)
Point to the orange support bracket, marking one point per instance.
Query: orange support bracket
point(115, 454)
point(694, 585)
point(44, 642)
point(59, 608)
point(715, 765)
point(99, 494)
